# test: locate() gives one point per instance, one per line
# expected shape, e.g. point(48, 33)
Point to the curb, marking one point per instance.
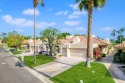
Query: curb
point(33, 72)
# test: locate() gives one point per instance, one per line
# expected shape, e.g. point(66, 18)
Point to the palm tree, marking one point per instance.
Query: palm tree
point(113, 34)
point(120, 32)
point(89, 5)
point(35, 3)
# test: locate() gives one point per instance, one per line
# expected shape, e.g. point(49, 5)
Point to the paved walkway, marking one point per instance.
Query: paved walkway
point(53, 68)
point(116, 73)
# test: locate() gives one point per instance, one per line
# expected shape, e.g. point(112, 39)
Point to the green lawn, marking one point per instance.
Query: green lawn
point(40, 59)
point(16, 52)
point(80, 72)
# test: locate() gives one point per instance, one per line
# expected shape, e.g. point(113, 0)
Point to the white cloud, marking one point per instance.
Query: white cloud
point(30, 11)
point(74, 6)
point(80, 13)
point(77, 14)
point(72, 23)
point(22, 22)
point(80, 29)
point(107, 29)
point(73, 16)
point(62, 12)
point(45, 24)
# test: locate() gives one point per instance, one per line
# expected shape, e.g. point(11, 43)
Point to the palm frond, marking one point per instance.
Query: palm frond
point(36, 2)
point(41, 2)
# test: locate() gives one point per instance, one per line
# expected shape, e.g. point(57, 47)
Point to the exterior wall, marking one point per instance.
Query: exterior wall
point(104, 49)
point(80, 52)
point(64, 52)
point(37, 49)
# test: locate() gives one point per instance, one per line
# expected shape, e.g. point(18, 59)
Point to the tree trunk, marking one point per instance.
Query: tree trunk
point(34, 35)
point(89, 33)
point(120, 39)
point(17, 48)
point(50, 52)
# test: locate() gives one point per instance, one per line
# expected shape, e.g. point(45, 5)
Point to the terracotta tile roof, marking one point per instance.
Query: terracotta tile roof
point(119, 46)
point(83, 39)
point(25, 42)
point(100, 42)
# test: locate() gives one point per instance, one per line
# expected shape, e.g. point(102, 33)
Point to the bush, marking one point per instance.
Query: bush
point(122, 57)
point(103, 54)
point(99, 58)
point(117, 58)
point(119, 52)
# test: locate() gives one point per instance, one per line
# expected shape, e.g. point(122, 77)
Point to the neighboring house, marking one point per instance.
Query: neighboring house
point(39, 45)
point(120, 46)
point(77, 46)
point(0, 42)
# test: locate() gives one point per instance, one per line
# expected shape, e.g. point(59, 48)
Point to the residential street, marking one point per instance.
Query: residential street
point(10, 73)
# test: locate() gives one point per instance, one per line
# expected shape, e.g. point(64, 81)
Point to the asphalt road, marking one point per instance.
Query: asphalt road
point(10, 73)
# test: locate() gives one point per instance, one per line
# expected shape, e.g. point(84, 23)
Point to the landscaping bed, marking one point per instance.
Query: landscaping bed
point(97, 74)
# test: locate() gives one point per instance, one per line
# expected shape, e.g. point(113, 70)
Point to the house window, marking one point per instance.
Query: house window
point(71, 41)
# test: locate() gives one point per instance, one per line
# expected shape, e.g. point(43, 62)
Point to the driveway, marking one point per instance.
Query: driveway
point(61, 64)
point(11, 73)
point(115, 72)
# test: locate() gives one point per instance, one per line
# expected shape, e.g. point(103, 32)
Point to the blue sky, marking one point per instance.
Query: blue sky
point(61, 14)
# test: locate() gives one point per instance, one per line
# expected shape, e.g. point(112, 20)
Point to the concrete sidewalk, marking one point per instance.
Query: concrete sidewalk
point(32, 72)
point(63, 63)
point(115, 72)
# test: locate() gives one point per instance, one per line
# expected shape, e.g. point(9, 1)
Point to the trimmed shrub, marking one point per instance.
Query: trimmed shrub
point(117, 58)
point(122, 57)
point(103, 54)
point(99, 58)
point(119, 52)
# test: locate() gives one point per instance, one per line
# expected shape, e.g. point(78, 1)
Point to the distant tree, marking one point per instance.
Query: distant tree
point(98, 37)
point(3, 34)
point(37, 37)
point(63, 35)
point(51, 37)
point(29, 37)
point(120, 32)
point(15, 39)
point(77, 34)
point(113, 33)
point(120, 38)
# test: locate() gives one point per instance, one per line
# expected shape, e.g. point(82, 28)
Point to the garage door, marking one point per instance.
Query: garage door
point(32, 47)
point(78, 52)
point(64, 51)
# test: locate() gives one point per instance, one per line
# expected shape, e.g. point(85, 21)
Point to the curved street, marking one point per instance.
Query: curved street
point(12, 73)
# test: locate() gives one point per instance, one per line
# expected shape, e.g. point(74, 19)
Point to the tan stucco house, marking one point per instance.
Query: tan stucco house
point(77, 46)
point(40, 46)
